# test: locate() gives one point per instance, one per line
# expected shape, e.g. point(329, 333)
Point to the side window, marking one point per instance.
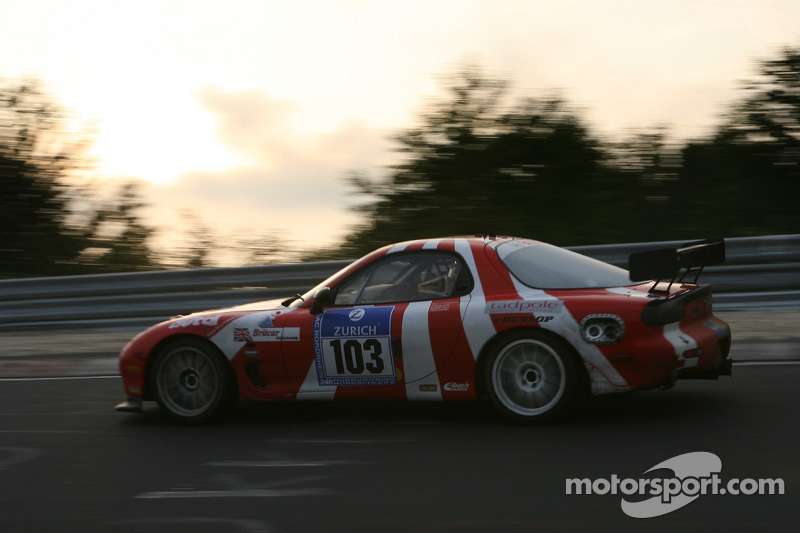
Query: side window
point(407, 277)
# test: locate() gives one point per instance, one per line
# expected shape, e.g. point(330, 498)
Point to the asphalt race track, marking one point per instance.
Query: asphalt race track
point(68, 462)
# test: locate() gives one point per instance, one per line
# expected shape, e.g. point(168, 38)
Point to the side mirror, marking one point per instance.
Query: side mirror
point(322, 298)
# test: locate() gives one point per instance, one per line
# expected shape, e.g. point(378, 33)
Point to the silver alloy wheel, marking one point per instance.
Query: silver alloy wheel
point(528, 377)
point(188, 382)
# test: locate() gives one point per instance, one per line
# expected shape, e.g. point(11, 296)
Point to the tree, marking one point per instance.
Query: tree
point(771, 111)
point(476, 164)
point(118, 239)
point(745, 180)
point(652, 163)
point(48, 226)
point(34, 234)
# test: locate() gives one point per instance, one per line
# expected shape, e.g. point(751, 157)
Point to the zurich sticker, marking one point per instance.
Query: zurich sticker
point(353, 346)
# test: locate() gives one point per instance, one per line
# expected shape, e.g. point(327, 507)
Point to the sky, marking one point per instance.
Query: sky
point(250, 114)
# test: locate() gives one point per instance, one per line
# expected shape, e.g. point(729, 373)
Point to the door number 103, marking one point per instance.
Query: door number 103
point(355, 356)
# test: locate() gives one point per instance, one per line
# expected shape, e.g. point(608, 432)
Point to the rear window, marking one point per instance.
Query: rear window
point(544, 266)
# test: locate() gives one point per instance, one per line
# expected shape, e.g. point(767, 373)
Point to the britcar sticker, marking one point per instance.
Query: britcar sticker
point(266, 334)
point(353, 346)
point(242, 335)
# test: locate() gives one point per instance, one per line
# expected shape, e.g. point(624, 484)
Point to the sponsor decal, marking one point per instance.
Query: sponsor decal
point(354, 331)
point(452, 386)
point(525, 306)
point(195, 321)
point(354, 347)
point(242, 335)
point(290, 334)
point(428, 388)
point(718, 328)
point(516, 244)
point(266, 334)
point(266, 322)
point(440, 306)
point(526, 319)
point(356, 314)
point(691, 475)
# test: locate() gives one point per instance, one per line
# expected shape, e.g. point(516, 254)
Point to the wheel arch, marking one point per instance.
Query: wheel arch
point(481, 366)
point(159, 349)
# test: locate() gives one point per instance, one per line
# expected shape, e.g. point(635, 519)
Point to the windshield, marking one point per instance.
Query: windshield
point(299, 299)
point(544, 266)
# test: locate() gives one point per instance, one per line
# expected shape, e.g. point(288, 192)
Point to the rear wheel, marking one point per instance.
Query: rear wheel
point(192, 382)
point(531, 377)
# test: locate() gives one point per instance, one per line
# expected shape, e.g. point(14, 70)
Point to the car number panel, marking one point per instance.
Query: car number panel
point(353, 347)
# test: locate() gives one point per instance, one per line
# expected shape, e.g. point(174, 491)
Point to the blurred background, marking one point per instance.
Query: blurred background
point(146, 135)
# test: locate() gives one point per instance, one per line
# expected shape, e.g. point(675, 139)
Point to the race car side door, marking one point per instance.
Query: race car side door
point(383, 332)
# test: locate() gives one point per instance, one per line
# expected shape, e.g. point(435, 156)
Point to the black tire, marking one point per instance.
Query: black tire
point(192, 382)
point(531, 377)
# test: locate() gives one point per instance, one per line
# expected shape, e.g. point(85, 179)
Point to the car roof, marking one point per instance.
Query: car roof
point(471, 239)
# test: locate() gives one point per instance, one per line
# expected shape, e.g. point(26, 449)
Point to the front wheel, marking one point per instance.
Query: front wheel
point(531, 378)
point(192, 382)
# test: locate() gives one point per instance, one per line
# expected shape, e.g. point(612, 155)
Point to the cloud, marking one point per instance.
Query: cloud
point(252, 123)
point(294, 184)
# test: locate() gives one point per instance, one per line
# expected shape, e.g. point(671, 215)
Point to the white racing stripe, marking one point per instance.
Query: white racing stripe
point(604, 377)
point(478, 326)
point(311, 389)
point(243, 493)
point(419, 365)
point(765, 363)
point(284, 463)
point(58, 378)
point(681, 342)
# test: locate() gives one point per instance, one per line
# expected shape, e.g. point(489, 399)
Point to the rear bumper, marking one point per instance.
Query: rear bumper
point(722, 367)
point(722, 363)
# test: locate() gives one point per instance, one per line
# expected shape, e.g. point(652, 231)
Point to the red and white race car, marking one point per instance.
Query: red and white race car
point(530, 324)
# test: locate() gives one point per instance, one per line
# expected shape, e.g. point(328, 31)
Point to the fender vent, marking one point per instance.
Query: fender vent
point(255, 377)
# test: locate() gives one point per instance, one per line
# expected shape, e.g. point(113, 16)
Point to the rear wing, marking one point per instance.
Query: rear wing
point(667, 263)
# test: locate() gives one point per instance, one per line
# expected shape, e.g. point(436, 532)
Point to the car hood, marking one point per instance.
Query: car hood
point(212, 317)
point(266, 305)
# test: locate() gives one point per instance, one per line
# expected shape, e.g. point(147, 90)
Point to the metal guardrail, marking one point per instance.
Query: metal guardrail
point(759, 272)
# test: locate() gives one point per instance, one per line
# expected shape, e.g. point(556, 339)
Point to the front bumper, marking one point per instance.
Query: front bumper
point(131, 405)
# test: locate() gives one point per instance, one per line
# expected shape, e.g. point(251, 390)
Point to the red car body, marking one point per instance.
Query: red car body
point(530, 324)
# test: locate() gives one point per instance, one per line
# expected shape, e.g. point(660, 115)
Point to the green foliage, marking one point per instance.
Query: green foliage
point(117, 238)
point(756, 153)
point(48, 226)
point(473, 166)
point(34, 234)
point(476, 165)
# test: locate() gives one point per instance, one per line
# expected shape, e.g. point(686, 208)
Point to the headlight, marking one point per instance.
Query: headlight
point(602, 329)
